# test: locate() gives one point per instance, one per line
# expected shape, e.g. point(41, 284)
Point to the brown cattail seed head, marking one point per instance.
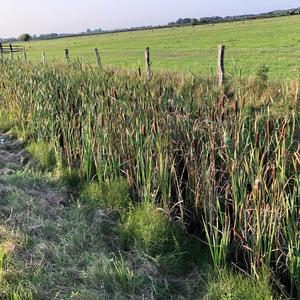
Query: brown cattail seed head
point(154, 127)
point(257, 137)
point(143, 130)
point(236, 107)
point(195, 143)
point(222, 102)
point(115, 94)
point(283, 132)
point(257, 185)
point(273, 172)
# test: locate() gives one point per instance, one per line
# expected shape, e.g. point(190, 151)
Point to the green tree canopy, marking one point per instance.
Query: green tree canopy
point(25, 37)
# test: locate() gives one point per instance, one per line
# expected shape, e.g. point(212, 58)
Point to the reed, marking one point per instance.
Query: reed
point(227, 169)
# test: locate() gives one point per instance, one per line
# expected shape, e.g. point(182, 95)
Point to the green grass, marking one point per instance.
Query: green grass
point(114, 194)
point(43, 154)
point(274, 42)
point(151, 230)
point(227, 285)
point(49, 251)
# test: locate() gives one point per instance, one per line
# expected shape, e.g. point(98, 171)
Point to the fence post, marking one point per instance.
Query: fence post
point(43, 58)
point(147, 60)
point(25, 54)
point(98, 57)
point(67, 55)
point(11, 51)
point(1, 52)
point(221, 69)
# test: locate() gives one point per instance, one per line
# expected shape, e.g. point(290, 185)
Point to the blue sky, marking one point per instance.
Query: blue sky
point(45, 16)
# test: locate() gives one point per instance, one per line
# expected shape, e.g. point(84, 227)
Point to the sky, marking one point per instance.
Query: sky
point(72, 16)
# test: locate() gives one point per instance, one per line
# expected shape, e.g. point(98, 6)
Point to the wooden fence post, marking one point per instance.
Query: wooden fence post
point(98, 57)
point(25, 54)
point(43, 58)
point(11, 51)
point(1, 52)
point(221, 69)
point(147, 60)
point(67, 55)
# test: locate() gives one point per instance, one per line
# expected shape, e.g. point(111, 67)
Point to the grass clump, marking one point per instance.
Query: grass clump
point(152, 231)
point(224, 284)
point(113, 195)
point(112, 272)
point(44, 154)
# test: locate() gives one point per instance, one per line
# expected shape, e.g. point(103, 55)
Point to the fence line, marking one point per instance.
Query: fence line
point(188, 54)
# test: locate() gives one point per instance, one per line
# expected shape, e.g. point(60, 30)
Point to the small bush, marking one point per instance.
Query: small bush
point(229, 285)
point(113, 195)
point(44, 154)
point(152, 231)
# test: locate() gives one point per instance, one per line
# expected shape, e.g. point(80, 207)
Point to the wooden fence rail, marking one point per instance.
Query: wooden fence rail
point(7, 49)
point(11, 49)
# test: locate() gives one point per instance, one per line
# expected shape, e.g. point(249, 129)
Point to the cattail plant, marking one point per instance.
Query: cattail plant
point(227, 172)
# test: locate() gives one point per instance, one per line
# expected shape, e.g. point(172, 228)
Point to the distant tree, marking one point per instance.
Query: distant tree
point(53, 35)
point(25, 37)
point(184, 21)
point(88, 31)
point(204, 21)
point(194, 22)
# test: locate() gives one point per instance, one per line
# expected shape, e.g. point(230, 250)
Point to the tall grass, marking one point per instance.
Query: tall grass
point(227, 168)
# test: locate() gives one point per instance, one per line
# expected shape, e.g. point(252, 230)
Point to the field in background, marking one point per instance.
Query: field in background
point(274, 42)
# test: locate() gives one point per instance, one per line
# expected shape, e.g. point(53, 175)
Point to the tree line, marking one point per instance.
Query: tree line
point(218, 19)
point(180, 22)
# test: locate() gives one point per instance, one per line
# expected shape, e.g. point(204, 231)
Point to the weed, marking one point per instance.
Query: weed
point(44, 154)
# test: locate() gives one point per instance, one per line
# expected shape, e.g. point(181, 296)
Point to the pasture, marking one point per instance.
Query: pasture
point(274, 42)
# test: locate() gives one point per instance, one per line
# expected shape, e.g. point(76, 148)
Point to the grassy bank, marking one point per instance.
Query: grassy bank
point(173, 157)
point(54, 244)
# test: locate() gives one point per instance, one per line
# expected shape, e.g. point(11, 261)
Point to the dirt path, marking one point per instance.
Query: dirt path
point(14, 159)
point(12, 155)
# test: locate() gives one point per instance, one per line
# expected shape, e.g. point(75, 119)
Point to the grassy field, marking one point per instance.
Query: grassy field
point(274, 42)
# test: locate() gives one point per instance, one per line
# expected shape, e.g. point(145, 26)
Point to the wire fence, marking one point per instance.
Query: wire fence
point(282, 62)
